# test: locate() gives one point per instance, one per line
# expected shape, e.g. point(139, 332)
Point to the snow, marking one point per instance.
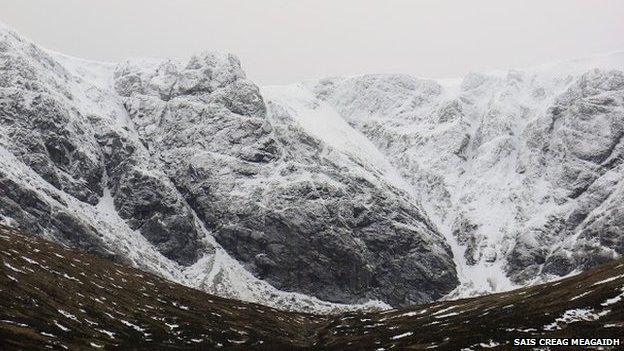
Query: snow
point(575, 315)
point(133, 326)
point(60, 326)
point(66, 276)
point(489, 344)
point(29, 260)
point(172, 325)
point(13, 322)
point(526, 330)
point(408, 314)
point(580, 295)
point(444, 310)
point(321, 120)
point(68, 315)
point(400, 336)
point(378, 119)
point(447, 315)
point(610, 279)
point(614, 299)
point(109, 333)
point(13, 268)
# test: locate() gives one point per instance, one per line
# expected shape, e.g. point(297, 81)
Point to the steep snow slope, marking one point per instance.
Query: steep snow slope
point(323, 122)
point(519, 170)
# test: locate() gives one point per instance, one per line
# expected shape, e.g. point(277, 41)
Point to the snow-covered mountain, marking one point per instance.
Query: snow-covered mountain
point(177, 167)
point(377, 189)
point(520, 171)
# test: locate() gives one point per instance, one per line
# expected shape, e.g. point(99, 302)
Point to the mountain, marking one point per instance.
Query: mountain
point(356, 192)
point(113, 306)
point(521, 171)
point(179, 167)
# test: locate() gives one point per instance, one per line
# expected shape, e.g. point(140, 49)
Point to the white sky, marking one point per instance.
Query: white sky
point(282, 41)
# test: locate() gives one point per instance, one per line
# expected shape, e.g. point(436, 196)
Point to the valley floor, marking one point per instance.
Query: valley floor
point(52, 297)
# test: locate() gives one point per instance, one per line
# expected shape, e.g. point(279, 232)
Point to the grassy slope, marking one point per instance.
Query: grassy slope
point(58, 298)
point(101, 294)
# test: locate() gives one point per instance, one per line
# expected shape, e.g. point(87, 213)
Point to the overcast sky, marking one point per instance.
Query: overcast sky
point(282, 41)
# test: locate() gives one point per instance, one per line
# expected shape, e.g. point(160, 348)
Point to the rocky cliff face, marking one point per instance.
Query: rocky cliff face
point(183, 168)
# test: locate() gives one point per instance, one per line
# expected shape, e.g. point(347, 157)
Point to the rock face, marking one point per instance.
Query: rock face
point(48, 136)
point(185, 169)
point(269, 195)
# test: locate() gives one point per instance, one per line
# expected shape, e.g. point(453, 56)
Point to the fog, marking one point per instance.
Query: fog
point(286, 41)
